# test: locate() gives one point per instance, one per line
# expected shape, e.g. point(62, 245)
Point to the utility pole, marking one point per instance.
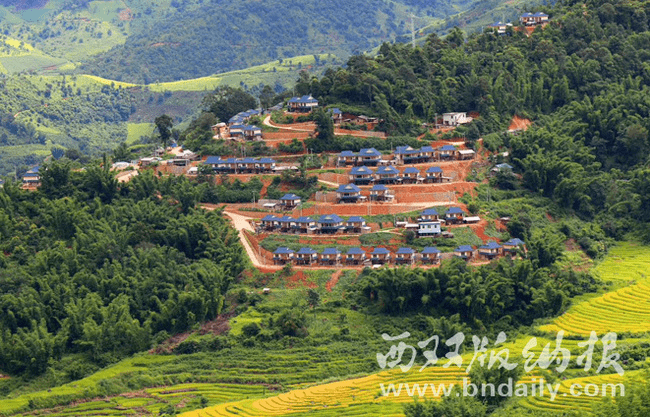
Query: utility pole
point(412, 31)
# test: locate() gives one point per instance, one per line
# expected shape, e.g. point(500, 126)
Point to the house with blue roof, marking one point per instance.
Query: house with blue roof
point(355, 256)
point(387, 175)
point(252, 132)
point(269, 222)
point(434, 174)
point(305, 224)
point(411, 175)
point(380, 256)
point(330, 224)
point(290, 201)
point(286, 223)
point(265, 165)
point(303, 104)
point(429, 228)
point(405, 256)
point(348, 193)
point(447, 152)
point(306, 256)
point(454, 215)
point(282, 256)
point(237, 130)
point(380, 192)
point(513, 245)
point(532, 19)
point(428, 215)
point(407, 155)
point(347, 158)
point(337, 115)
point(32, 178)
point(368, 156)
point(499, 27)
point(356, 224)
point(330, 256)
point(430, 255)
point(361, 175)
point(490, 251)
point(465, 252)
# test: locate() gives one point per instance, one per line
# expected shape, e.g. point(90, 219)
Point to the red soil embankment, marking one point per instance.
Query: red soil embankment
point(519, 123)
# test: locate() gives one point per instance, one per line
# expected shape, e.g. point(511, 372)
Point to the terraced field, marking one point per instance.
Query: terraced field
point(624, 310)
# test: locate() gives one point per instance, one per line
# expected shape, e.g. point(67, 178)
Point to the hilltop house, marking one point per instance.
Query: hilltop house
point(454, 215)
point(530, 19)
point(290, 201)
point(490, 251)
point(282, 255)
point(302, 104)
point(380, 256)
point(379, 192)
point(405, 256)
point(32, 178)
point(361, 175)
point(434, 174)
point(306, 256)
point(464, 252)
point(355, 256)
point(330, 256)
point(455, 119)
point(499, 27)
point(348, 193)
point(430, 255)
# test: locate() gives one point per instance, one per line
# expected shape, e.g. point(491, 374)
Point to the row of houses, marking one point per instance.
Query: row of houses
point(383, 256)
point(238, 127)
point(354, 256)
point(526, 19)
point(404, 155)
point(351, 193)
point(325, 224)
point(363, 175)
point(240, 165)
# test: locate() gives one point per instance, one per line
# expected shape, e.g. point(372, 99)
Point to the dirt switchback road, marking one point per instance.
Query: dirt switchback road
point(241, 223)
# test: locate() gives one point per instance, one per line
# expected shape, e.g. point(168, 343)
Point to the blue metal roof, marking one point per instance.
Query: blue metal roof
point(290, 197)
point(247, 160)
point(330, 251)
point(356, 219)
point(267, 161)
point(434, 169)
point(369, 152)
point(411, 170)
point(355, 251)
point(427, 149)
point(464, 248)
point(347, 153)
point(527, 15)
point(306, 251)
point(387, 170)
point(514, 242)
point(283, 250)
point(329, 218)
point(503, 166)
point(430, 212)
point(405, 251)
point(403, 150)
point(381, 251)
point(348, 188)
point(361, 171)
point(448, 148)
point(242, 127)
point(379, 187)
point(285, 219)
point(491, 245)
point(213, 160)
point(454, 210)
point(304, 219)
point(269, 218)
point(430, 250)
point(251, 128)
point(336, 110)
point(540, 14)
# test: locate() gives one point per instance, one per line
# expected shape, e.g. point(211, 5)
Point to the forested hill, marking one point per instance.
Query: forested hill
point(584, 79)
point(223, 35)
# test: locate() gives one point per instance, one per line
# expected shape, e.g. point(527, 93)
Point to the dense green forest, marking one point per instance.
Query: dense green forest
point(105, 270)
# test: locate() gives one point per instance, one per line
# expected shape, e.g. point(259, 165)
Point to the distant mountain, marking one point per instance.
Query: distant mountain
point(224, 35)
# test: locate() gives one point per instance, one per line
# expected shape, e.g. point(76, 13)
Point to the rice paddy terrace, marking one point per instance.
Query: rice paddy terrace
point(286, 383)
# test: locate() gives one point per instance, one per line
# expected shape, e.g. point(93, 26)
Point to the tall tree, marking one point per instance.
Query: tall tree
point(164, 125)
point(227, 101)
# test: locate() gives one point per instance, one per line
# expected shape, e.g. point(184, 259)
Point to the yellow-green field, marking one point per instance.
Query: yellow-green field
point(624, 310)
point(136, 130)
